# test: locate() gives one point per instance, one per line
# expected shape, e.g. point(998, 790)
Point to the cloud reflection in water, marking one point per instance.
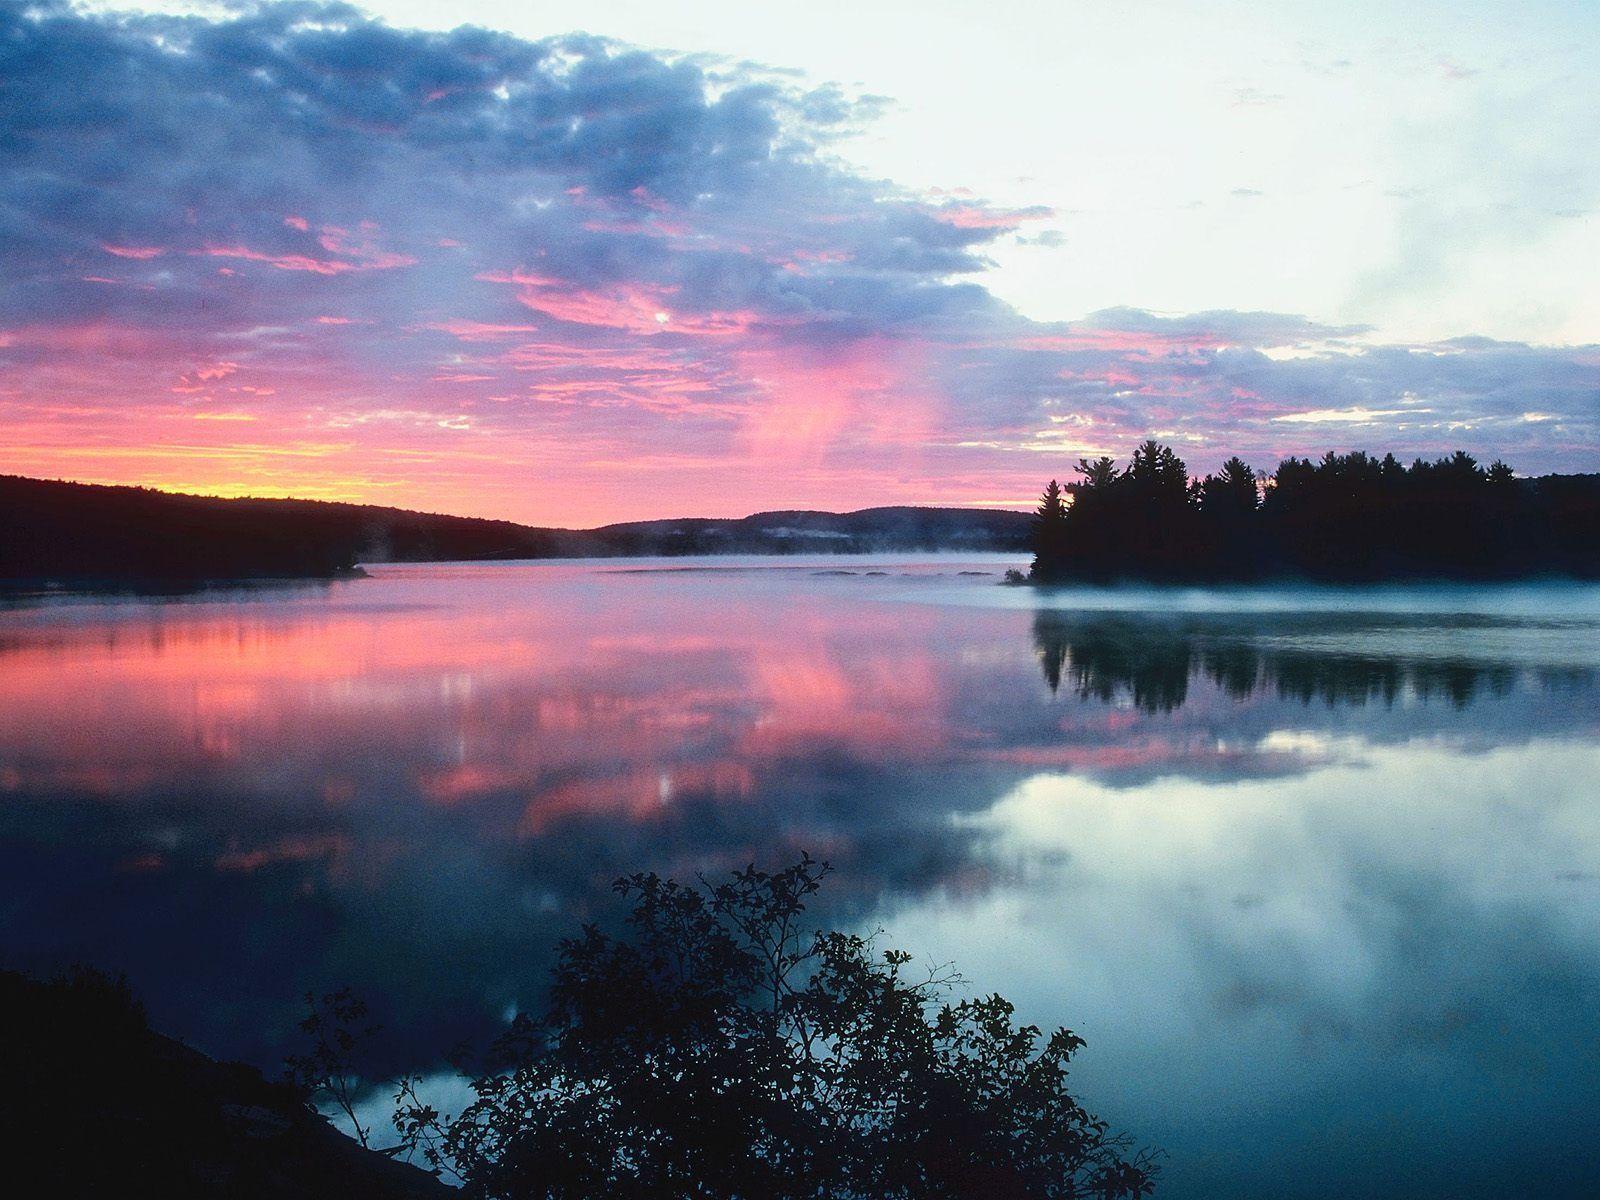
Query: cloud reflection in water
point(1293, 872)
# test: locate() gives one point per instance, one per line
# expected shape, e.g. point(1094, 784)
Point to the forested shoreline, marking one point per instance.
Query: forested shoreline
point(1351, 518)
point(1344, 517)
point(54, 532)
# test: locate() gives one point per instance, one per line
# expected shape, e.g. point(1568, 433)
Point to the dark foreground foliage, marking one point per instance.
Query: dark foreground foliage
point(1346, 517)
point(719, 1049)
point(95, 1103)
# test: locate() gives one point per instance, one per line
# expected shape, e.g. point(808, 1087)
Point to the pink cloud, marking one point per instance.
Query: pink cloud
point(520, 277)
point(480, 331)
point(362, 248)
point(639, 309)
point(636, 308)
point(865, 393)
point(358, 254)
point(799, 258)
point(283, 262)
point(648, 228)
point(140, 252)
point(977, 216)
point(642, 195)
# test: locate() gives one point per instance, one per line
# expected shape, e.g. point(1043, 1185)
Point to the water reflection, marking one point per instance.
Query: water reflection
point(1154, 824)
point(1388, 967)
point(1149, 659)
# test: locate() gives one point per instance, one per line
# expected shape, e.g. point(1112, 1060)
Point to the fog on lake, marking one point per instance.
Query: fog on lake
point(1315, 872)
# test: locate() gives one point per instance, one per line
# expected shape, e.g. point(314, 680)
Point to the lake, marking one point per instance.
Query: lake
point(1316, 872)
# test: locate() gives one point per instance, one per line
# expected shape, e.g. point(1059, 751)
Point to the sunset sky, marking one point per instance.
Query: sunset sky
point(576, 263)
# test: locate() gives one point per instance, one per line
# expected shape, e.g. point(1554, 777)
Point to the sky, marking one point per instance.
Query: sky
point(571, 263)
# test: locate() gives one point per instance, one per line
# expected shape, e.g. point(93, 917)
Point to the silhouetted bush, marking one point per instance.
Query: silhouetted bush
point(721, 1050)
point(1344, 517)
point(326, 1073)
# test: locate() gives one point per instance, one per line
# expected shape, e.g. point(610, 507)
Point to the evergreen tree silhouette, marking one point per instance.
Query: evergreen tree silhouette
point(1350, 516)
point(1050, 532)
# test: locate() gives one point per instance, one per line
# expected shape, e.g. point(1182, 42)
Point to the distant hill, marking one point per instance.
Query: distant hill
point(806, 532)
point(87, 534)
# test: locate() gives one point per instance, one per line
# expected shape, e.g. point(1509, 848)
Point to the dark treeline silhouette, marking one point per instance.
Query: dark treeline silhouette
point(81, 533)
point(53, 531)
point(1350, 517)
point(720, 1049)
point(1152, 663)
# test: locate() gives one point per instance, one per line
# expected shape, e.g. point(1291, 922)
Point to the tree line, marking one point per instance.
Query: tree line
point(1353, 517)
point(74, 534)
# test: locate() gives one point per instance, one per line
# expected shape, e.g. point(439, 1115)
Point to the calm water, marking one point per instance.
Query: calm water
point(1317, 874)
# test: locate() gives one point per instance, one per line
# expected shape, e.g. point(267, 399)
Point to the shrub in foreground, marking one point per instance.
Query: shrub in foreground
point(720, 1049)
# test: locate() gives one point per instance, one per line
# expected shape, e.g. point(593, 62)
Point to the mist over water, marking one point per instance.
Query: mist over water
point(1315, 871)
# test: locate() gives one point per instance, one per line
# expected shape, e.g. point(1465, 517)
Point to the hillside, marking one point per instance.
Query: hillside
point(96, 1103)
point(88, 534)
point(808, 532)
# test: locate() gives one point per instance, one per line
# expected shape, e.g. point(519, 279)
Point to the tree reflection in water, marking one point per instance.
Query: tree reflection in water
point(1150, 661)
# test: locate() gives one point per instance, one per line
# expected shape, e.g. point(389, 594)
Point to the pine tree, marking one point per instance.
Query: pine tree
point(1050, 535)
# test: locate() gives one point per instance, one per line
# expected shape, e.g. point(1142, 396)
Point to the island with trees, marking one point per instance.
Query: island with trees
point(1342, 518)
